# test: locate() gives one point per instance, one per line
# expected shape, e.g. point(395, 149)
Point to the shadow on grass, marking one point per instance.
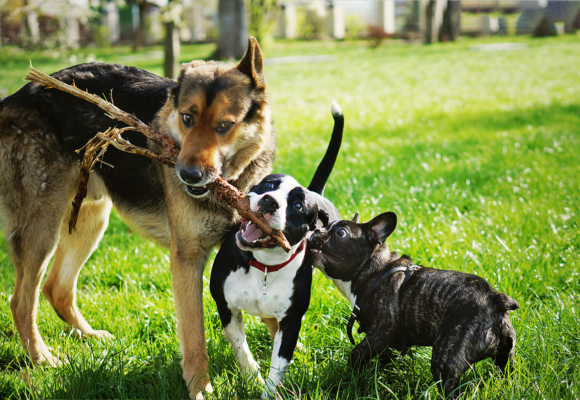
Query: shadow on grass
point(111, 374)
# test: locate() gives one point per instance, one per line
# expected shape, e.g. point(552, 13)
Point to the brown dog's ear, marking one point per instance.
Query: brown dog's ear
point(252, 64)
point(356, 218)
point(382, 226)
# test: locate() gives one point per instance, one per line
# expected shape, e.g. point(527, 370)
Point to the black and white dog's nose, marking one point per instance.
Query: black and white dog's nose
point(191, 174)
point(267, 205)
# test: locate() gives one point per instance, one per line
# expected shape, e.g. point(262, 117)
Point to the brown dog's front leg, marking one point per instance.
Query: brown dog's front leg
point(187, 283)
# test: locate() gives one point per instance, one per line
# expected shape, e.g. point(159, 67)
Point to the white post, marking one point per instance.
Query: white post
point(195, 21)
point(287, 21)
point(440, 7)
point(32, 19)
point(386, 14)
point(335, 21)
point(73, 35)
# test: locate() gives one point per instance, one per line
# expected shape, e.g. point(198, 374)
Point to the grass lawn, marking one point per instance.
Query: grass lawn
point(477, 152)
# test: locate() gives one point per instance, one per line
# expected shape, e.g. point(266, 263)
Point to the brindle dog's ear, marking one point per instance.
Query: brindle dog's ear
point(252, 64)
point(356, 218)
point(323, 217)
point(381, 227)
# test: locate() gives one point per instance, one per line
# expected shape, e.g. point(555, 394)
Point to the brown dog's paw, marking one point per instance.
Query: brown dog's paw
point(101, 335)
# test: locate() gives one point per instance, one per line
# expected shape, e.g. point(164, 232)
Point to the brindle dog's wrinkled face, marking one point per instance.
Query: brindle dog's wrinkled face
point(340, 249)
point(217, 113)
point(286, 205)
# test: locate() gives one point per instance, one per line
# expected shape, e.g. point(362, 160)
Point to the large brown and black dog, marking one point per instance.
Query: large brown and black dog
point(220, 116)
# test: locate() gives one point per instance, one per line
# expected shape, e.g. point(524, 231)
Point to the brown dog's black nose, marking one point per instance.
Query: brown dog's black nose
point(267, 205)
point(190, 174)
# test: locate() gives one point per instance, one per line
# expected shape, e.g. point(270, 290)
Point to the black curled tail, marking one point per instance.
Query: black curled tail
point(324, 169)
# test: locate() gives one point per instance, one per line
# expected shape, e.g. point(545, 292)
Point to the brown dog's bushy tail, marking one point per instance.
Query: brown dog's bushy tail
point(325, 167)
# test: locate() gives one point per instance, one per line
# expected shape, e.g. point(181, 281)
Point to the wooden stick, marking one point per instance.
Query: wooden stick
point(113, 137)
point(220, 188)
point(113, 112)
point(86, 165)
point(230, 195)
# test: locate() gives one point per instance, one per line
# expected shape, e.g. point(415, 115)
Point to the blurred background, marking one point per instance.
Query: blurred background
point(67, 25)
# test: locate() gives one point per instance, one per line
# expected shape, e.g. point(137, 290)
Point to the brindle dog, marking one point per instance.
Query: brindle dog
point(219, 114)
point(460, 315)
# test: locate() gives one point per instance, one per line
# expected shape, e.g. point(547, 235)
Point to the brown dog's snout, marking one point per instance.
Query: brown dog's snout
point(191, 174)
point(268, 205)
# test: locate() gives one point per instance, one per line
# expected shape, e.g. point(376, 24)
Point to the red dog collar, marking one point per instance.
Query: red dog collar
point(274, 268)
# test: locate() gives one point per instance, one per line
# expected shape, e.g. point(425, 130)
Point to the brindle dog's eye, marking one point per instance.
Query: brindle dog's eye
point(187, 119)
point(224, 127)
point(298, 206)
point(342, 233)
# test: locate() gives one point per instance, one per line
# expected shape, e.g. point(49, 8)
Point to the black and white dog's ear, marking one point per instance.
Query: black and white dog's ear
point(356, 218)
point(381, 227)
point(323, 217)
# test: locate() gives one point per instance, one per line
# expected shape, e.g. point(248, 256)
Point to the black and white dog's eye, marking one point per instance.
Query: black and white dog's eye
point(270, 185)
point(342, 233)
point(298, 206)
point(224, 127)
point(187, 119)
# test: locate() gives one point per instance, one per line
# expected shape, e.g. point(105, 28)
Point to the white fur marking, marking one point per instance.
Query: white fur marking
point(278, 367)
point(335, 108)
point(277, 220)
point(172, 125)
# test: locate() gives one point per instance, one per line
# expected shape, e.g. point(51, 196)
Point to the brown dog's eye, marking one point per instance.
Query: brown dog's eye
point(224, 127)
point(187, 119)
point(342, 233)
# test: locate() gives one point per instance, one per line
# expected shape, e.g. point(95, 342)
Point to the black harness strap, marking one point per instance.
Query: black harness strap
point(356, 309)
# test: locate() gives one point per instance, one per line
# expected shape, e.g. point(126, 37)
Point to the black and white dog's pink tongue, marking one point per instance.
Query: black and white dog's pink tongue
point(252, 233)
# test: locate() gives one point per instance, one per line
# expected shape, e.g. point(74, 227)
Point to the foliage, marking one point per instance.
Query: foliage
point(354, 26)
point(377, 35)
point(262, 15)
point(477, 152)
point(310, 22)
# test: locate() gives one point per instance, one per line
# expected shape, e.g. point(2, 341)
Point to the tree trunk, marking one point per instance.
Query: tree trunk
point(171, 63)
point(429, 11)
point(451, 19)
point(139, 41)
point(233, 30)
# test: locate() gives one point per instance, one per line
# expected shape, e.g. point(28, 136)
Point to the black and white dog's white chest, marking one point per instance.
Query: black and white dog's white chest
point(263, 294)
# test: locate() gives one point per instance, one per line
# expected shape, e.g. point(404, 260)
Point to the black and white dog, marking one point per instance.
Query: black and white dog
point(251, 273)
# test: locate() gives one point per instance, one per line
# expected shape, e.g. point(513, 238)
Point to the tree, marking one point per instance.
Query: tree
point(233, 37)
point(429, 13)
point(141, 33)
point(171, 18)
point(451, 18)
point(261, 13)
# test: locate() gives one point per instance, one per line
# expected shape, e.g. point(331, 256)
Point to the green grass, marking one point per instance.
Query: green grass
point(477, 152)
